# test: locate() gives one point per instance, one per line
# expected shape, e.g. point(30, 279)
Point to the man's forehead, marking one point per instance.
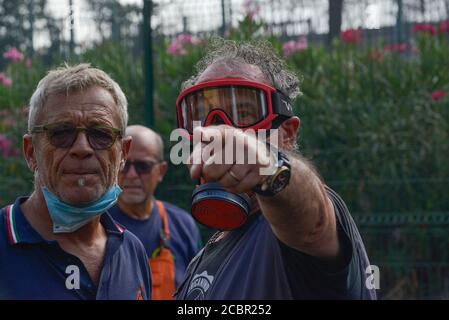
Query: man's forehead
point(143, 152)
point(92, 95)
point(93, 100)
point(144, 143)
point(141, 134)
point(241, 70)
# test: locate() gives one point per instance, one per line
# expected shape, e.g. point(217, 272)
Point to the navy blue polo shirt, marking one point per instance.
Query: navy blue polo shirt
point(34, 268)
point(185, 239)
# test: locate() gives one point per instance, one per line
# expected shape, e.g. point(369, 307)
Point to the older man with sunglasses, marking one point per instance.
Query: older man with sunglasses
point(168, 233)
point(60, 242)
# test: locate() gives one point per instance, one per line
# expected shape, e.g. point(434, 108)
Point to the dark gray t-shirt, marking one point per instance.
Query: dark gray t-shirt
point(251, 263)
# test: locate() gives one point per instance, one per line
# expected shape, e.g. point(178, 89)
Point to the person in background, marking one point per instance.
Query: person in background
point(168, 233)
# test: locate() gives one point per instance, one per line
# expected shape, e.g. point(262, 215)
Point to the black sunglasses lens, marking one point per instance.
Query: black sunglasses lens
point(100, 138)
point(140, 166)
point(62, 136)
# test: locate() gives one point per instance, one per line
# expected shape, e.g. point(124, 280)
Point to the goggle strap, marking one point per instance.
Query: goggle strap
point(282, 104)
point(276, 123)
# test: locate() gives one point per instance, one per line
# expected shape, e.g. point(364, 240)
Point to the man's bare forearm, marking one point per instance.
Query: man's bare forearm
point(302, 215)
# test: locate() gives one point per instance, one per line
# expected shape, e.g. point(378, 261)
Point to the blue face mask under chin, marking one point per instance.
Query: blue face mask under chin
point(67, 218)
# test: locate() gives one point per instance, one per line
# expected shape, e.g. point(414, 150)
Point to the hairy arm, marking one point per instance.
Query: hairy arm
point(302, 216)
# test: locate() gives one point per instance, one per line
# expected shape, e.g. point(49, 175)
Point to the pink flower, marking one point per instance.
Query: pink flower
point(6, 148)
point(352, 36)
point(292, 46)
point(289, 48)
point(177, 48)
point(425, 28)
point(13, 54)
point(444, 27)
point(396, 47)
point(5, 80)
point(184, 38)
point(438, 95)
point(29, 63)
point(251, 9)
point(302, 43)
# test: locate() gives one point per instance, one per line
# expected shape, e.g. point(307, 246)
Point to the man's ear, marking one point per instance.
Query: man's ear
point(126, 146)
point(163, 167)
point(288, 132)
point(28, 151)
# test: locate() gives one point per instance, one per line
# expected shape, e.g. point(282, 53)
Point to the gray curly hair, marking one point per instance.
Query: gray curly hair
point(257, 52)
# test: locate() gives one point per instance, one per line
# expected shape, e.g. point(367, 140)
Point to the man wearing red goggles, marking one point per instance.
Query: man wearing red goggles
point(296, 239)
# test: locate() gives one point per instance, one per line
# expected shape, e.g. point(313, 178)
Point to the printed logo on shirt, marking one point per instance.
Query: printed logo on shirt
point(199, 286)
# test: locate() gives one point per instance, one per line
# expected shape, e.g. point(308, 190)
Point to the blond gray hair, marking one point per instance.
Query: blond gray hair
point(71, 78)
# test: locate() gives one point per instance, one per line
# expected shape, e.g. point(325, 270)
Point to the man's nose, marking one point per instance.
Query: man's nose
point(217, 120)
point(81, 147)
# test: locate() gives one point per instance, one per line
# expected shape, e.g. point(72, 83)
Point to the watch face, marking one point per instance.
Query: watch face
point(281, 180)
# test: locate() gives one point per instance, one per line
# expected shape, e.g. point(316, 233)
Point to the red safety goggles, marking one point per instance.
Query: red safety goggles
point(236, 102)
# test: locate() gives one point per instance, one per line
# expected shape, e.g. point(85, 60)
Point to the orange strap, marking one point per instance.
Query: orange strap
point(164, 218)
point(163, 264)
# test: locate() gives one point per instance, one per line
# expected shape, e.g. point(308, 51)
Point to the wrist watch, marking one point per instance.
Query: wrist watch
point(276, 182)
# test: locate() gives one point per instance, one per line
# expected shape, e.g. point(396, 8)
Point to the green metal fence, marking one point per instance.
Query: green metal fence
point(411, 251)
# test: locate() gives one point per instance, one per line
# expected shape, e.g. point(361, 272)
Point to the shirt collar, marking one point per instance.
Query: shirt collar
point(111, 226)
point(21, 231)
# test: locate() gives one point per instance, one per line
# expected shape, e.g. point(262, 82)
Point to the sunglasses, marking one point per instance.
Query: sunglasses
point(140, 166)
point(63, 135)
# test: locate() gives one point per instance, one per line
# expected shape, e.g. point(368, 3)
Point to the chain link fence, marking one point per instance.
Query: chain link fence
point(87, 22)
